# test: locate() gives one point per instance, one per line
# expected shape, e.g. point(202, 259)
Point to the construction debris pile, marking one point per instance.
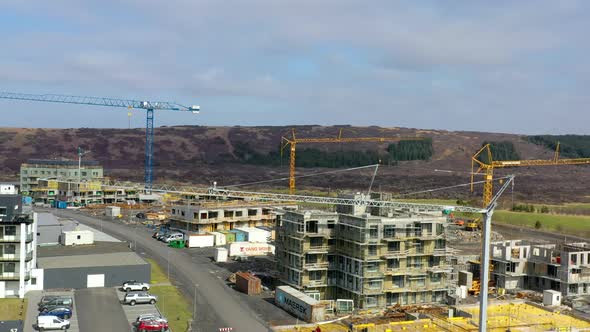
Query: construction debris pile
point(463, 236)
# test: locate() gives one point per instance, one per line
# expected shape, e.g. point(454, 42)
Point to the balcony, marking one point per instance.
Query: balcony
point(372, 291)
point(16, 257)
point(315, 283)
point(315, 249)
point(373, 274)
point(10, 276)
point(316, 266)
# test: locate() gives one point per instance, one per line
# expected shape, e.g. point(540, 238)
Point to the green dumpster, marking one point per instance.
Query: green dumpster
point(176, 244)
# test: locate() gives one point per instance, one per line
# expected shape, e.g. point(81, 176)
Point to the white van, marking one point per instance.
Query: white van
point(174, 236)
point(52, 323)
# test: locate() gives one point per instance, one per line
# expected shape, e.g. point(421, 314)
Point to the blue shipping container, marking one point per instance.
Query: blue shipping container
point(241, 236)
point(62, 205)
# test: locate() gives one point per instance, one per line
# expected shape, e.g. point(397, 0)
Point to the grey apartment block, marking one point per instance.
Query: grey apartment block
point(375, 261)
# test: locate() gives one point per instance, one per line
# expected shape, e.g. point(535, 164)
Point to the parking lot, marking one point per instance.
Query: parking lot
point(131, 312)
point(32, 312)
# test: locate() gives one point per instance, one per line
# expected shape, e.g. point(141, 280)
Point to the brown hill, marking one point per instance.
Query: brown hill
point(200, 155)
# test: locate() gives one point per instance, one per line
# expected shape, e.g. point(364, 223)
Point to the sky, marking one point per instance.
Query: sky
point(501, 66)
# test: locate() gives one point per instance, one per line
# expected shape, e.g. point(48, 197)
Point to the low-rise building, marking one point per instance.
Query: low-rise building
point(202, 217)
point(66, 170)
point(374, 261)
point(17, 245)
point(102, 264)
point(562, 267)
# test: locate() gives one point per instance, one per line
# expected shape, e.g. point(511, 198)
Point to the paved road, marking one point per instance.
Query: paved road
point(217, 305)
point(101, 310)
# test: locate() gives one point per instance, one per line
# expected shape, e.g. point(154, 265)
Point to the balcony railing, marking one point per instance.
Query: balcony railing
point(14, 276)
point(318, 265)
point(16, 257)
point(372, 290)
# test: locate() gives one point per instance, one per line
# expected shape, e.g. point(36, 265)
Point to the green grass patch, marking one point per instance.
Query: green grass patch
point(173, 306)
point(171, 303)
point(158, 276)
point(10, 309)
point(567, 224)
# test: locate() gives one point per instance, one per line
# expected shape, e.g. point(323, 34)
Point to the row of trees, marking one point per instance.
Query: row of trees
point(503, 150)
point(571, 146)
point(530, 208)
point(312, 157)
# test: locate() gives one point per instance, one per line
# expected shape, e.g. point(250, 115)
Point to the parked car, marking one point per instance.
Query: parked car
point(52, 323)
point(175, 236)
point(150, 317)
point(152, 325)
point(60, 301)
point(61, 312)
point(162, 235)
point(135, 286)
point(48, 298)
point(139, 297)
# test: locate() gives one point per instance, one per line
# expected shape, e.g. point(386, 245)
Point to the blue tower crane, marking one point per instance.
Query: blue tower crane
point(148, 106)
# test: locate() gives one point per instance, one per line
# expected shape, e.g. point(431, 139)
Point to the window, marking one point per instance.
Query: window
point(440, 244)
point(10, 230)
point(84, 173)
point(311, 226)
point(388, 231)
point(331, 224)
point(436, 277)
point(393, 246)
point(10, 267)
point(419, 282)
point(33, 281)
point(393, 263)
point(374, 232)
point(372, 267)
point(374, 284)
point(79, 237)
point(315, 275)
point(2, 211)
point(398, 281)
point(371, 301)
point(10, 249)
point(252, 212)
point(238, 213)
point(372, 250)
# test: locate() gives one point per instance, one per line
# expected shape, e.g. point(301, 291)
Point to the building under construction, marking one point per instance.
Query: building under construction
point(203, 216)
point(373, 260)
point(561, 267)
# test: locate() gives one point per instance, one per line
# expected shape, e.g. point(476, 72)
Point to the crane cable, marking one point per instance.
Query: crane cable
point(449, 187)
point(302, 176)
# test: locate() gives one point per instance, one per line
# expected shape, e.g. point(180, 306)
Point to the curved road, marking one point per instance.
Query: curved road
point(217, 307)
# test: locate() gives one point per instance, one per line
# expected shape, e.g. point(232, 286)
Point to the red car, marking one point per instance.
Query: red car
point(152, 325)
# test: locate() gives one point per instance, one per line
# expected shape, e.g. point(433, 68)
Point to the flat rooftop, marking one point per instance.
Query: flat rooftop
point(91, 260)
point(98, 248)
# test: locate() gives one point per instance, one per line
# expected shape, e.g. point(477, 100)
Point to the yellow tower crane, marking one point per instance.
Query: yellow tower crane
point(487, 168)
point(293, 141)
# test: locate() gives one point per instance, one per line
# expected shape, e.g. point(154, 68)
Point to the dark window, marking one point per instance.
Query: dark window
point(10, 267)
point(33, 281)
point(79, 237)
point(10, 249)
point(311, 226)
point(331, 224)
point(393, 246)
point(9, 230)
point(238, 213)
point(372, 250)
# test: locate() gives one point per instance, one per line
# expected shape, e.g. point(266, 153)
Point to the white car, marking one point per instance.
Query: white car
point(135, 286)
point(175, 236)
point(52, 323)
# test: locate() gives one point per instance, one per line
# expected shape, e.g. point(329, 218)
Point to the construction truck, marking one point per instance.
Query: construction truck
point(472, 225)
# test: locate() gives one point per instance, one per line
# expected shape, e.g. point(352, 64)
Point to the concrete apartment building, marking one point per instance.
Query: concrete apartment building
point(561, 267)
point(210, 216)
point(17, 245)
point(375, 261)
point(66, 170)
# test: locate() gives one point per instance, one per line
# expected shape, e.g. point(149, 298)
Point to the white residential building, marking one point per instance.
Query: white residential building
point(18, 247)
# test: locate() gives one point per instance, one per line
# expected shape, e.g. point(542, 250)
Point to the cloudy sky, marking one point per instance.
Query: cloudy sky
point(505, 66)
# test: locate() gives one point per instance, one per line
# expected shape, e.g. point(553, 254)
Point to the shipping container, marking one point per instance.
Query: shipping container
point(256, 234)
point(219, 238)
point(200, 240)
point(248, 283)
point(112, 211)
point(271, 230)
point(250, 249)
point(220, 255)
point(299, 304)
point(61, 205)
point(241, 236)
point(229, 236)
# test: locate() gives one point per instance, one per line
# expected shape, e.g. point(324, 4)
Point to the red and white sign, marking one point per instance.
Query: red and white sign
point(250, 249)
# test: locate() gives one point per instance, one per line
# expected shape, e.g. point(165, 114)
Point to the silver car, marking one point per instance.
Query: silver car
point(139, 297)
